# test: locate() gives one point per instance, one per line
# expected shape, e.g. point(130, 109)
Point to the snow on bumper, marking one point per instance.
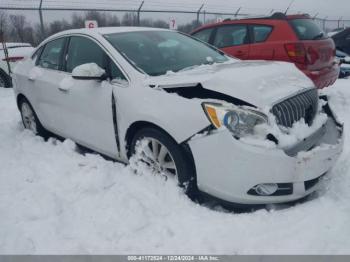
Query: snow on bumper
point(228, 169)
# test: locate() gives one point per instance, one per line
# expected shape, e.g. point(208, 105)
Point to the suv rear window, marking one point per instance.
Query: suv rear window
point(306, 29)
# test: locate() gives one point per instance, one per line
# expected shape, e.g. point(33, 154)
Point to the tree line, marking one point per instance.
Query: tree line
point(16, 28)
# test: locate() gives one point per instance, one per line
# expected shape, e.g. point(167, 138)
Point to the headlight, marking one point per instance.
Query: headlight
point(240, 121)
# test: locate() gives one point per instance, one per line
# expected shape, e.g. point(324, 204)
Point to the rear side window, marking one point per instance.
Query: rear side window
point(231, 35)
point(261, 33)
point(82, 51)
point(204, 35)
point(51, 56)
point(306, 29)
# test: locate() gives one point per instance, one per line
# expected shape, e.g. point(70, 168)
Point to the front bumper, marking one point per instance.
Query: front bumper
point(227, 168)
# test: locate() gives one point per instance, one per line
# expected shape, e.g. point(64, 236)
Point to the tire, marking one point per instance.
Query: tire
point(30, 120)
point(184, 167)
point(5, 80)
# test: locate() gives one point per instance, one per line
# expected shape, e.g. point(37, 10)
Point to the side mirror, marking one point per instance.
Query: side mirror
point(90, 71)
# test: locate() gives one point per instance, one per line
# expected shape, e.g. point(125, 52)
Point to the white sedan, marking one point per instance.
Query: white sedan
point(15, 52)
point(242, 132)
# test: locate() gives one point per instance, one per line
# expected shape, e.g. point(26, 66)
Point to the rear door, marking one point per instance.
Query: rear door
point(45, 77)
point(320, 48)
point(233, 40)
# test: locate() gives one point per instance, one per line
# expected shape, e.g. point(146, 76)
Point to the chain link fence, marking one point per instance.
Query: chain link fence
point(48, 16)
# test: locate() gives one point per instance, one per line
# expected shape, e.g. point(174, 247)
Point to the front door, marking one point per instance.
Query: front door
point(233, 40)
point(87, 104)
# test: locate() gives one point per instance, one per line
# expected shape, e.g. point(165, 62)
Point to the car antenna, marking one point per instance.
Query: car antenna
point(290, 4)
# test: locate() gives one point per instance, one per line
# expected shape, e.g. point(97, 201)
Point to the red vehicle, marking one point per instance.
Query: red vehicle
point(293, 38)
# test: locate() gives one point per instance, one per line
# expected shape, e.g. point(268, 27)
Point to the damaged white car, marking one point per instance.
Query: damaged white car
point(242, 132)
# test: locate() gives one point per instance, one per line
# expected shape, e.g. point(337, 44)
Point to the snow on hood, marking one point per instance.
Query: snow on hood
point(260, 83)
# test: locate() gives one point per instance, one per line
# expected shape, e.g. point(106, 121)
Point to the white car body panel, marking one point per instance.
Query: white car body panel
point(82, 110)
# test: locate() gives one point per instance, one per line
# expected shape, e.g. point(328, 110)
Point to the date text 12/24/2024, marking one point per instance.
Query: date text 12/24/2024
point(173, 258)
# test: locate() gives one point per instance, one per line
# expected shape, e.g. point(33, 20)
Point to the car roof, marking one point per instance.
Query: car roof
point(105, 30)
point(255, 19)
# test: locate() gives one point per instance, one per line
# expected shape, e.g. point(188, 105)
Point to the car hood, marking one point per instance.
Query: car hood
point(260, 83)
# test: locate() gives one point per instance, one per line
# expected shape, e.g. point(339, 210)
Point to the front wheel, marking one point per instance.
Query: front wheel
point(162, 155)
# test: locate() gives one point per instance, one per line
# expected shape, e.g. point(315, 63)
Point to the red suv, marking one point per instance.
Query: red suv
point(292, 38)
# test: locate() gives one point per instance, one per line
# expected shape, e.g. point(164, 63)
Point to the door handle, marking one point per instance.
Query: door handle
point(63, 89)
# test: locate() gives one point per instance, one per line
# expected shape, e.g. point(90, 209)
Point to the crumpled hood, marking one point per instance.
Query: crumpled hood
point(260, 83)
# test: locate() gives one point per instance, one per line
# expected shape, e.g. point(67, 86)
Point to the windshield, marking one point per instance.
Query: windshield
point(157, 52)
point(306, 29)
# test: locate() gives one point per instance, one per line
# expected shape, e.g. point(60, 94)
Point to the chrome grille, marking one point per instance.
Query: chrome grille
point(291, 110)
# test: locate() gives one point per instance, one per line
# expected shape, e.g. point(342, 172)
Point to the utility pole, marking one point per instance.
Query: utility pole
point(42, 27)
point(198, 12)
point(138, 13)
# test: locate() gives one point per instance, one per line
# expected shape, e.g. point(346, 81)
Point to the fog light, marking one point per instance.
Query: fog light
point(266, 189)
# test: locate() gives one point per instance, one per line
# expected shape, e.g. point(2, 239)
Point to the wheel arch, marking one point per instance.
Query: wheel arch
point(138, 125)
point(135, 127)
point(19, 98)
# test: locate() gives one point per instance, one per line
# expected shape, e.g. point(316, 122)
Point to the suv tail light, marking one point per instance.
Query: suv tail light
point(13, 58)
point(296, 52)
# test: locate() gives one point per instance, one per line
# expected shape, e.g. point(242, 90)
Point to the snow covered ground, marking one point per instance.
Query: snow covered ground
point(54, 200)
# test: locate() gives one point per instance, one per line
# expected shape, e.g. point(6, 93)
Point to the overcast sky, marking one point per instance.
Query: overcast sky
point(325, 8)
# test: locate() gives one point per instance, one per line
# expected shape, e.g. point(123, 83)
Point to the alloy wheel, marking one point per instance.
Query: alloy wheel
point(156, 156)
point(28, 117)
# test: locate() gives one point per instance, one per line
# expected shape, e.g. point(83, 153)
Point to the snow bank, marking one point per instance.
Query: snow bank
point(55, 200)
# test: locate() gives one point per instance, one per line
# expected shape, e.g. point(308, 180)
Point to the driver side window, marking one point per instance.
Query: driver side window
point(82, 50)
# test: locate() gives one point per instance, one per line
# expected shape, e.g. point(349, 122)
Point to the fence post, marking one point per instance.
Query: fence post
point(42, 27)
point(237, 12)
point(198, 12)
point(339, 21)
point(324, 23)
point(138, 13)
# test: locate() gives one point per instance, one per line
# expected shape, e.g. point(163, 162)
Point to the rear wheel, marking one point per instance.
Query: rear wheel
point(163, 156)
point(5, 80)
point(30, 119)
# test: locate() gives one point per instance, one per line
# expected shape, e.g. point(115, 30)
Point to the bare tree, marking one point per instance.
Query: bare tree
point(19, 26)
point(3, 24)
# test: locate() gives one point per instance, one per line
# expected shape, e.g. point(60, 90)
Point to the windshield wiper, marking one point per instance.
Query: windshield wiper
point(320, 35)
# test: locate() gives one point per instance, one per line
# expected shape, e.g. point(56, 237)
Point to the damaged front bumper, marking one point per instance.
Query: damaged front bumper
point(231, 170)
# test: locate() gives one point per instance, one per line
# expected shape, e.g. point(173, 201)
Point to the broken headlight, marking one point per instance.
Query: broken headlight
point(240, 121)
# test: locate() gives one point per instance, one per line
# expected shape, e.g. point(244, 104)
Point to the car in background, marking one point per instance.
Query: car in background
point(16, 53)
point(293, 38)
point(183, 109)
point(342, 40)
point(344, 61)
point(335, 31)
